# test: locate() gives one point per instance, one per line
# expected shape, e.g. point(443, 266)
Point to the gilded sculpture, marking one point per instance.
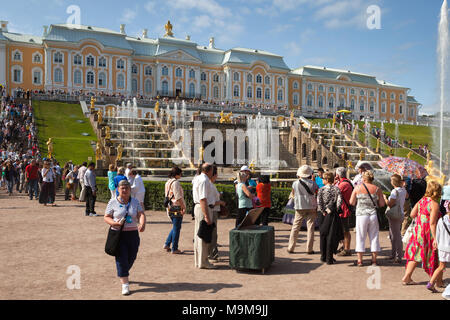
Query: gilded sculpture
point(168, 28)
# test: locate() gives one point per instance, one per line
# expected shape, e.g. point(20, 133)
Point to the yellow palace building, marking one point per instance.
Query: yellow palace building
point(71, 58)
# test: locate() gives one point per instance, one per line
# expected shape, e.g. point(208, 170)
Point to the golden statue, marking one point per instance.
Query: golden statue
point(50, 147)
point(119, 152)
point(378, 145)
point(333, 141)
point(292, 115)
point(428, 156)
point(169, 121)
point(99, 116)
point(408, 156)
point(157, 106)
point(391, 152)
point(350, 164)
point(252, 166)
point(98, 151)
point(222, 117)
point(201, 150)
point(362, 155)
point(92, 104)
point(107, 133)
point(280, 118)
point(168, 28)
point(355, 132)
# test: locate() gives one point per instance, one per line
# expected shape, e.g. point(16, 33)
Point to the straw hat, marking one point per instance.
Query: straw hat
point(305, 171)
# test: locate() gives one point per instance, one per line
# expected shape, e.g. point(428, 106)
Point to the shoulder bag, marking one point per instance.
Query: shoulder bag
point(173, 211)
point(394, 212)
point(113, 238)
point(306, 187)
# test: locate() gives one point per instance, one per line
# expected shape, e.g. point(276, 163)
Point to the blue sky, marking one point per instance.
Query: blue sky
point(330, 33)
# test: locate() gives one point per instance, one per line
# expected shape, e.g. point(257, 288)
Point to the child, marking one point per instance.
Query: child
point(442, 243)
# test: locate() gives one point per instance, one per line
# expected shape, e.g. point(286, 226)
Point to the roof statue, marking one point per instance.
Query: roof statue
point(168, 28)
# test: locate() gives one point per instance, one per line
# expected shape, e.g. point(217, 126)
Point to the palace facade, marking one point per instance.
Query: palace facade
point(77, 57)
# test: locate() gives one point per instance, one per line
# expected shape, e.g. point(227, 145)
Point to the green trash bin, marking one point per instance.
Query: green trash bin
point(252, 248)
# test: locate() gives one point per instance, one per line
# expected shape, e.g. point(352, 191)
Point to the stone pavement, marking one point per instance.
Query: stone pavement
point(39, 244)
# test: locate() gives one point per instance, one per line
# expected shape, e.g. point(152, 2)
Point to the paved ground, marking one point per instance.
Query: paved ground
point(39, 243)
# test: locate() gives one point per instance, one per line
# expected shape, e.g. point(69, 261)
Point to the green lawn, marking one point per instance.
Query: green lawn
point(59, 121)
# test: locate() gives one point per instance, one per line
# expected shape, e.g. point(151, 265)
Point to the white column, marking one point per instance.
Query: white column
point(3, 66)
point(273, 89)
point(377, 104)
point(286, 90)
point(209, 85)
point(229, 95)
point(303, 93)
point(357, 106)
point(48, 68)
point(316, 98)
point(157, 77)
point(185, 74)
point(198, 73)
point(171, 89)
point(348, 97)
point(69, 71)
point(110, 74)
point(326, 108)
point(141, 78)
point(128, 88)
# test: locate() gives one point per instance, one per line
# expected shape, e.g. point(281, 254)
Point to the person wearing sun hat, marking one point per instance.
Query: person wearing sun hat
point(305, 204)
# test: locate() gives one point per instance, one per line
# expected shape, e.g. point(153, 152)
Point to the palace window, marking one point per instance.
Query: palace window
point(295, 99)
point(342, 90)
point(361, 105)
point(134, 85)
point(352, 91)
point(266, 80)
point(295, 85)
point(58, 57)
point(178, 72)
point(258, 93)
point(401, 97)
point(192, 74)
point(331, 89)
point(101, 79)
point(258, 79)
point(148, 86)
point(90, 61)
point(321, 101)
point(77, 77)
point(216, 79)
point(280, 81)
point(249, 92)
point(362, 93)
point(102, 62)
point(120, 81)
point(37, 58)
point(165, 71)
point(383, 107)
point(411, 112)
point(179, 86)
point(392, 108)
point(280, 95)
point(320, 88)
point(203, 91)
point(372, 106)
point(120, 64)
point(17, 56)
point(236, 76)
point(383, 95)
point(331, 103)
point(267, 94)
point(400, 109)
point(148, 71)
point(17, 75)
point(216, 92)
point(352, 104)
point(341, 103)
point(37, 77)
point(203, 76)
point(249, 78)
point(165, 88)
point(134, 69)
point(90, 77)
point(392, 96)
point(372, 94)
point(310, 87)
point(191, 90)
point(236, 92)
point(77, 60)
point(58, 75)
point(309, 101)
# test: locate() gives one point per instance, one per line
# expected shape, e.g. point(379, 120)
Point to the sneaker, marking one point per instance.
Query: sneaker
point(344, 253)
point(125, 289)
point(209, 266)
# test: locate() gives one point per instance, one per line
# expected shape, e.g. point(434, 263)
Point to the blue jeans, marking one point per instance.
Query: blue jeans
point(128, 249)
point(10, 185)
point(33, 186)
point(174, 234)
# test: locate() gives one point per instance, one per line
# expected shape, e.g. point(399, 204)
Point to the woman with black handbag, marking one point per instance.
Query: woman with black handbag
point(176, 209)
point(126, 217)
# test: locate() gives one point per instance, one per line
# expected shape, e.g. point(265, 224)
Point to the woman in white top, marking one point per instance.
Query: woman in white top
point(367, 197)
point(137, 186)
point(397, 198)
point(47, 195)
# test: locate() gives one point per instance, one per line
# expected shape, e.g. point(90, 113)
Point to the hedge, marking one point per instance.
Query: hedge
point(154, 198)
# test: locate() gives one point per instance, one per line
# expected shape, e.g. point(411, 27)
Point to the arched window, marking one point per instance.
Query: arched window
point(280, 95)
point(331, 89)
point(178, 72)
point(352, 91)
point(134, 69)
point(120, 81)
point(90, 77)
point(37, 58)
point(383, 107)
point(392, 108)
point(392, 96)
point(295, 85)
point(249, 78)
point(342, 90)
point(203, 76)
point(258, 93)
point(101, 79)
point(362, 105)
point(134, 85)
point(148, 71)
point(294, 144)
point(90, 61)
point(372, 94)
point(295, 99)
point(321, 101)
point(17, 56)
point(58, 75)
point(203, 91)
point(179, 86)
point(400, 109)
point(266, 80)
point(280, 81)
point(37, 76)
point(372, 106)
point(267, 94)
point(77, 77)
point(192, 74)
point(102, 62)
point(77, 60)
point(148, 86)
point(352, 104)
point(165, 88)
point(17, 74)
point(309, 101)
point(191, 90)
point(310, 87)
point(216, 92)
point(331, 103)
point(58, 57)
point(249, 92)
point(362, 93)
point(258, 78)
point(216, 79)
point(120, 64)
point(236, 92)
point(342, 103)
point(165, 71)
point(383, 95)
point(321, 88)
point(236, 76)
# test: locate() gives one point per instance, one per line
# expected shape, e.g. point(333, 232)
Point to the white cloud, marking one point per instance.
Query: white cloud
point(128, 15)
point(150, 6)
point(293, 48)
point(208, 6)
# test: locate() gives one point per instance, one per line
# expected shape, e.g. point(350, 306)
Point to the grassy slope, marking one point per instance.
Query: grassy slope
point(59, 121)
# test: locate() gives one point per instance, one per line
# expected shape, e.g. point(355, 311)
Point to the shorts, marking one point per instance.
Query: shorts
point(346, 224)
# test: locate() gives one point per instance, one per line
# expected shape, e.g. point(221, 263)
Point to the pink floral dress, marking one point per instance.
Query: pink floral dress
point(420, 246)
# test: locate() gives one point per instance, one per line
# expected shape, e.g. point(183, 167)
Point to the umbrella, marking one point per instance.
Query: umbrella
point(403, 167)
point(344, 111)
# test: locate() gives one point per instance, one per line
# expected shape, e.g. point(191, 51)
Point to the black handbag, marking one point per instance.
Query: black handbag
point(173, 211)
point(205, 231)
point(113, 238)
